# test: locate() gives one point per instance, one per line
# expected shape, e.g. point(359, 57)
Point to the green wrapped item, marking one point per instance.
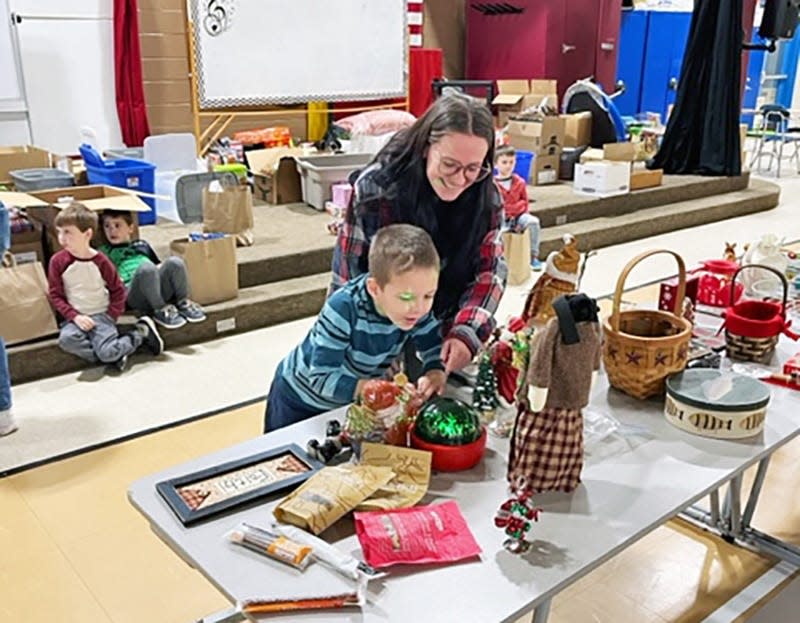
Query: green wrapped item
point(447, 421)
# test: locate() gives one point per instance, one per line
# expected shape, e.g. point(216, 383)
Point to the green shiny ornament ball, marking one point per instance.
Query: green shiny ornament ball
point(447, 421)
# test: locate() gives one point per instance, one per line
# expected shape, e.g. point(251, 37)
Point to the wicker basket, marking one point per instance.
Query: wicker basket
point(752, 327)
point(641, 347)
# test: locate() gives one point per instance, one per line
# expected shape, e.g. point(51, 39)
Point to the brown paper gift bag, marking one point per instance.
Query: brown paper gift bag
point(25, 311)
point(229, 211)
point(518, 256)
point(211, 266)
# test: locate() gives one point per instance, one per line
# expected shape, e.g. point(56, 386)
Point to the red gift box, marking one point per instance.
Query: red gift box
point(792, 366)
point(669, 290)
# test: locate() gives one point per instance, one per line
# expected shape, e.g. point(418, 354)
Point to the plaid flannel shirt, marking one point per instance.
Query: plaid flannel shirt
point(474, 322)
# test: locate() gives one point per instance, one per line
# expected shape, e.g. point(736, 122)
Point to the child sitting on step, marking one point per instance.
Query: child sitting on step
point(86, 291)
point(514, 192)
point(157, 289)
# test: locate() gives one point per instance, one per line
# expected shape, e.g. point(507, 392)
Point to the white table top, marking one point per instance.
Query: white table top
point(623, 497)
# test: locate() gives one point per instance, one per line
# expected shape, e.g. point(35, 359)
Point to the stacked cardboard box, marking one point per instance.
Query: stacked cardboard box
point(543, 138)
point(514, 96)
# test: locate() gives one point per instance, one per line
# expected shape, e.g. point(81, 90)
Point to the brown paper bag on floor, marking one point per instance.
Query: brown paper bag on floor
point(211, 266)
point(230, 212)
point(25, 312)
point(518, 256)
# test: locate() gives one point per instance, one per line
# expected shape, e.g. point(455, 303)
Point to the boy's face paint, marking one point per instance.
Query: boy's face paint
point(407, 297)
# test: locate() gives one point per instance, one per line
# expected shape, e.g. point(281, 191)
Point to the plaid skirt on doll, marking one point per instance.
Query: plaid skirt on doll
point(547, 449)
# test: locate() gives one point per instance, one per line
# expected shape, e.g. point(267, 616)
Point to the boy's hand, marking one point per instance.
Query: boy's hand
point(85, 323)
point(432, 382)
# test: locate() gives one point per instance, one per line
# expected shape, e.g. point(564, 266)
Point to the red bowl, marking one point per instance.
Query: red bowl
point(452, 458)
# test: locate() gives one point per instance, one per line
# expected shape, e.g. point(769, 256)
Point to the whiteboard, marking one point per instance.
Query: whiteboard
point(262, 52)
point(11, 97)
point(68, 69)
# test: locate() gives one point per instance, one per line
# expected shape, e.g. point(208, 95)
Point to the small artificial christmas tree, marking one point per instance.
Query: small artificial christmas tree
point(484, 396)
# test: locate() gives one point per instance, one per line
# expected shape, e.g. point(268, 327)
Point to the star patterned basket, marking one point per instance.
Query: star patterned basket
point(641, 347)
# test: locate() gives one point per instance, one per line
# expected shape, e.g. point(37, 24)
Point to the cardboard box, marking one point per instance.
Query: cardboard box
point(509, 98)
point(514, 96)
point(544, 170)
point(275, 175)
point(28, 252)
point(644, 178)
point(26, 246)
point(620, 152)
point(43, 206)
point(602, 179)
point(21, 157)
point(540, 137)
point(577, 129)
point(539, 91)
point(593, 154)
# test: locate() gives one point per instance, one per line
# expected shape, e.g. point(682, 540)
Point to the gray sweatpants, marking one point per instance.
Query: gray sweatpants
point(103, 343)
point(153, 286)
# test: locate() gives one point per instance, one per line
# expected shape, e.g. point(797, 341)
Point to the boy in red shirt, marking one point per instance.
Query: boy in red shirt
point(514, 192)
point(86, 291)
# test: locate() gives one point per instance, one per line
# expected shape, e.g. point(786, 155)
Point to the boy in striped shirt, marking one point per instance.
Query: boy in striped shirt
point(362, 330)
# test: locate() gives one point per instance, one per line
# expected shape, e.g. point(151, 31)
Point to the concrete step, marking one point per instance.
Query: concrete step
point(257, 307)
point(605, 231)
point(286, 274)
point(557, 204)
point(292, 240)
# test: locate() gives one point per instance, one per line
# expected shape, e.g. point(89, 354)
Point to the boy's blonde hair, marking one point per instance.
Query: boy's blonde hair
point(396, 249)
point(78, 215)
point(504, 150)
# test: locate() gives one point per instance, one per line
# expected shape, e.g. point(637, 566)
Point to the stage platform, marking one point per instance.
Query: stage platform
point(285, 274)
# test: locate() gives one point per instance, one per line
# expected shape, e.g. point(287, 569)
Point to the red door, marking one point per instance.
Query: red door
point(607, 43)
point(578, 48)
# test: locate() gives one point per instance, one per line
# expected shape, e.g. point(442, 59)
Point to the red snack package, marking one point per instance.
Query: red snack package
point(416, 535)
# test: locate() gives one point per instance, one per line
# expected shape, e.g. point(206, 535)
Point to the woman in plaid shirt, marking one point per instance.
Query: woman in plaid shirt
point(436, 174)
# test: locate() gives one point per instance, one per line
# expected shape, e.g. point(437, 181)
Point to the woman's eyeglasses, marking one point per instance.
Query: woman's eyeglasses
point(472, 172)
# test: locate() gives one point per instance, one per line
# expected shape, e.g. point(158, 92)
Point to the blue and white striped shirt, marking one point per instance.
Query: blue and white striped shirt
point(351, 341)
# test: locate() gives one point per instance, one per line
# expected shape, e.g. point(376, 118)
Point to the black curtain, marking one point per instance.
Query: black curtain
point(702, 135)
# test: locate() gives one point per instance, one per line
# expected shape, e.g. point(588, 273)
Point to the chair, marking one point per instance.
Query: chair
point(772, 135)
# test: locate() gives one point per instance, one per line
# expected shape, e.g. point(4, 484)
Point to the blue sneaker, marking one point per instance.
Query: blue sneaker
point(536, 264)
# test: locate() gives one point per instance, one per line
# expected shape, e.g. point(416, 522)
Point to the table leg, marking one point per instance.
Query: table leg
point(734, 525)
point(541, 612)
point(713, 502)
point(735, 493)
point(755, 491)
point(231, 615)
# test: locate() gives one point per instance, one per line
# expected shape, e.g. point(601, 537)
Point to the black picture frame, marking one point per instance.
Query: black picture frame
point(187, 504)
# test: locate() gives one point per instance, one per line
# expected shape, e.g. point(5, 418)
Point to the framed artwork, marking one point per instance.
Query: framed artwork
point(221, 488)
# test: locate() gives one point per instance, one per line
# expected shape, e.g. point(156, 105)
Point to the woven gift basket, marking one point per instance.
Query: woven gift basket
point(641, 347)
point(752, 327)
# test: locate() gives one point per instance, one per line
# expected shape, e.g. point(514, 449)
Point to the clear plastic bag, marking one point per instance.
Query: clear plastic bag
point(605, 436)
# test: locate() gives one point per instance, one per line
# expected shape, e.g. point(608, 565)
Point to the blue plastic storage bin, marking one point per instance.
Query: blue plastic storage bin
point(122, 173)
point(523, 164)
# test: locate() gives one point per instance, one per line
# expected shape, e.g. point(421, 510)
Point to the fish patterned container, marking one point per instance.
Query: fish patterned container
point(721, 405)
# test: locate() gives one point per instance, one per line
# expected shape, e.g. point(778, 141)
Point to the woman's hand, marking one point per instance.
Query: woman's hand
point(455, 355)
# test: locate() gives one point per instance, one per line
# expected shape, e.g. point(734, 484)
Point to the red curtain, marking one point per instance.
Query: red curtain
point(131, 109)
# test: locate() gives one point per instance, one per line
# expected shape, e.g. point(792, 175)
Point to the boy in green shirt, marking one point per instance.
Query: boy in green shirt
point(158, 289)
